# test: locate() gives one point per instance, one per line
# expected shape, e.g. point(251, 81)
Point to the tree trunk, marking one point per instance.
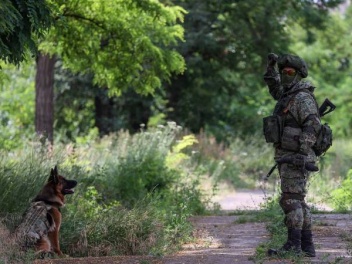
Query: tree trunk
point(44, 96)
point(103, 112)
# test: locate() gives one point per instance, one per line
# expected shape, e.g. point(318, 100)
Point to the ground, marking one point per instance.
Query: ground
point(225, 239)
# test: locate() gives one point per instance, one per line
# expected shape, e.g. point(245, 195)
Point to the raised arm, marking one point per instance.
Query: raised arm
point(272, 77)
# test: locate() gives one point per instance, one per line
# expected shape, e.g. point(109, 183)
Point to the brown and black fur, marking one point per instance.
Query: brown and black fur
point(41, 223)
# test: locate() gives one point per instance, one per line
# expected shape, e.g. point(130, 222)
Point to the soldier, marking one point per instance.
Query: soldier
point(293, 128)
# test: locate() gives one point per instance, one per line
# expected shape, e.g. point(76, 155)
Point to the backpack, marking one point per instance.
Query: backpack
point(324, 138)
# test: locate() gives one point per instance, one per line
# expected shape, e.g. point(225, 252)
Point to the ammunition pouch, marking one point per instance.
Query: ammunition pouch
point(290, 138)
point(324, 140)
point(272, 128)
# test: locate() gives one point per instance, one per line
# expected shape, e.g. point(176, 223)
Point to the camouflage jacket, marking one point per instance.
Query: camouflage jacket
point(300, 112)
point(35, 224)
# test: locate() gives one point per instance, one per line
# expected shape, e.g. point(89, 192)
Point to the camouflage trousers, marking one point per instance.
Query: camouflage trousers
point(293, 192)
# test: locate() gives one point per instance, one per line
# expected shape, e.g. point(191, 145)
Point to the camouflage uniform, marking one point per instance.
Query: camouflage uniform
point(35, 225)
point(298, 109)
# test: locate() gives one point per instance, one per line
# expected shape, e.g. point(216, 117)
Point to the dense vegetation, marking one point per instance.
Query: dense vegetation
point(120, 71)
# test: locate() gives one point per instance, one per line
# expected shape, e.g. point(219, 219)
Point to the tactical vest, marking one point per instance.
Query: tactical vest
point(285, 132)
point(282, 129)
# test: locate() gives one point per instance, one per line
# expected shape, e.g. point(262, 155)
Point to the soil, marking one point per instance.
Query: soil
point(225, 239)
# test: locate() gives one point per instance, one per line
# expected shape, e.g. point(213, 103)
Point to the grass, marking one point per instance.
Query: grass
point(136, 192)
point(9, 250)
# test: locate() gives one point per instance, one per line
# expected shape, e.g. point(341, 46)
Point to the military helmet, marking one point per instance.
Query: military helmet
point(288, 60)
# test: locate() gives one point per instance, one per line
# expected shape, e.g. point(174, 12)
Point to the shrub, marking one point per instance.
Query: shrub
point(134, 193)
point(104, 229)
point(342, 196)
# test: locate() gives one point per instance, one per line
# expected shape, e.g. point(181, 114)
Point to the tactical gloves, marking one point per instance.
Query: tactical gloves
point(272, 59)
point(299, 161)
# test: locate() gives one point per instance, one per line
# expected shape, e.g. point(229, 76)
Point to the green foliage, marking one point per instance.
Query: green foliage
point(22, 22)
point(328, 64)
point(224, 64)
point(17, 105)
point(105, 229)
point(176, 156)
point(74, 105)
point(22, 175)
point(225, 49)
point(242, 163)
point(342, 196)
point(124, 44)
point(129, 200)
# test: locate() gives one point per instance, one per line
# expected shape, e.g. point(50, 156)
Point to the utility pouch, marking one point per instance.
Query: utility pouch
point(324, 140)
point(272, 128)
point(290, 138)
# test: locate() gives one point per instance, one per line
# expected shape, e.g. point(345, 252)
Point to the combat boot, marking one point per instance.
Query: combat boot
point(307, 245)
point(292, 244)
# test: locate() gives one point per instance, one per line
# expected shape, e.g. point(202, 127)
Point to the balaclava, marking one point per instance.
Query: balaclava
point(289, 81)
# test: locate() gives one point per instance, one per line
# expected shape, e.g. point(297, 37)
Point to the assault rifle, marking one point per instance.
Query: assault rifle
point(326, 107)
point(296, 159)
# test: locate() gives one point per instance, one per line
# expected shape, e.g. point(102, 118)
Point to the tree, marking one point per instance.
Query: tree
point(225, 52)
point(44, 81)
point(328, 59)
point(80, 107)
point(122, 44)
point(22, 22)
point(17, 104)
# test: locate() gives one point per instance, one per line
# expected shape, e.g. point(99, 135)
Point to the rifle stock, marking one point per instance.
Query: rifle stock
point(326, 107)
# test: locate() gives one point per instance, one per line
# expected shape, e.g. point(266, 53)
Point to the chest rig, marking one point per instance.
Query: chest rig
point(282, 128)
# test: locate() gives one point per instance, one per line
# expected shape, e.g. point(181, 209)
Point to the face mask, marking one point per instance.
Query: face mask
point(287, 81)
point(289, 78)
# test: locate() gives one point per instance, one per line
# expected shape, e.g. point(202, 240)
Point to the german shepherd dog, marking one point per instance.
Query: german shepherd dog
point(40, 225)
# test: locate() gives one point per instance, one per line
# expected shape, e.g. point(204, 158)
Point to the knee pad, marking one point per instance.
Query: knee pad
point(289, 202)
point(294, 219)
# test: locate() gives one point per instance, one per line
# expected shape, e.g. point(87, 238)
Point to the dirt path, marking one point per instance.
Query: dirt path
point(233, 242)
point(225, 240)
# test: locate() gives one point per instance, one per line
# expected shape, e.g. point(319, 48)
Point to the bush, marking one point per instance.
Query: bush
point(134, 193)
point(104, 229)
point(342, 196)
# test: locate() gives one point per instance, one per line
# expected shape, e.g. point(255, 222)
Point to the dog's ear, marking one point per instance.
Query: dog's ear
point(55, 170)
point(53, 175)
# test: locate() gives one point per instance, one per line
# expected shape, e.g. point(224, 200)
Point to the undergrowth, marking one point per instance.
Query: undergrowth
point(135, 193)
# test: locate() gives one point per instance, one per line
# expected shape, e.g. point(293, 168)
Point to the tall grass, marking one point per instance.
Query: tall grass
point(134, 194)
